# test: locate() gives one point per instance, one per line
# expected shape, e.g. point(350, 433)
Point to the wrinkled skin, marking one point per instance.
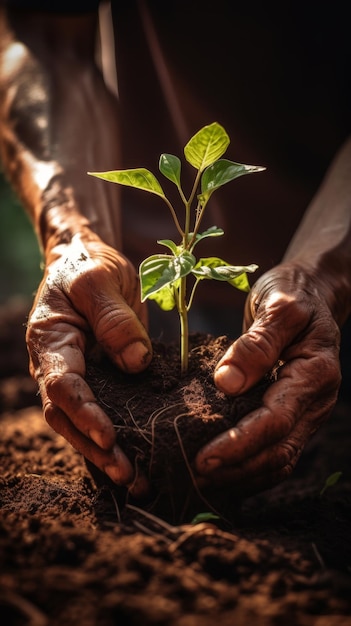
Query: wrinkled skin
point(89, 291)
point(287, 322)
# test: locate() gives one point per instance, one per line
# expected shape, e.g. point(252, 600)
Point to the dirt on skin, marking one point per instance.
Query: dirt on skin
point(69, 555)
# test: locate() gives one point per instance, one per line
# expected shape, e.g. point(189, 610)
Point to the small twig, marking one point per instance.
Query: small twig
point(318, 556)
point(156, 520)
point(152, 533)
point(200, 528)
point(33, 476)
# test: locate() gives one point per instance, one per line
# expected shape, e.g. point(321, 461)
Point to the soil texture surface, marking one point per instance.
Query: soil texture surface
point(71, 555)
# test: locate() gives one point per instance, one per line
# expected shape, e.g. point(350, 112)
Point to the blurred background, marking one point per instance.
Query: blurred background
point(20, 259)
point(20, 272)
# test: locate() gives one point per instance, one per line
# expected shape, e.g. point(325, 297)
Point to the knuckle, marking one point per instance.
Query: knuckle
point(287, 455)
point(284, 472)
point(54, 384)
point(61, 386)
point(257, 343)
point(291, 307)
point(52, 415)
point(287, 418)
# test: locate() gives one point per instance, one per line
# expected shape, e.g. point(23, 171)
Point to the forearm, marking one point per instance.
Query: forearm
point(322, 243)
point(58, 121)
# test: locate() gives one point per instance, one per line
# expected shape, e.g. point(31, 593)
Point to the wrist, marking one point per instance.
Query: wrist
point(327, 279)
point(59, 218)
point(333, 276)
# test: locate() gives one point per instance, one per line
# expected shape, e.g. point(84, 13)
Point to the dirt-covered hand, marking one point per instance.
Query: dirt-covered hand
point(287, 322)
point(89, 296)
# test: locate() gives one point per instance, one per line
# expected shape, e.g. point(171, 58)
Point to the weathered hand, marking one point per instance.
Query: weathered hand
point(287, 319)
point(89, 294)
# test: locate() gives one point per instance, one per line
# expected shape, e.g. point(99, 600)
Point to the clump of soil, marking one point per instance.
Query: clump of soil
point(163, 419)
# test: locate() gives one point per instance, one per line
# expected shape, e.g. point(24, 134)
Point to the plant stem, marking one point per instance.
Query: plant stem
point(200, 214)
point(181, 300)
point(190, 301)
point(195, 186)
point(175, 219)
point(184, 327)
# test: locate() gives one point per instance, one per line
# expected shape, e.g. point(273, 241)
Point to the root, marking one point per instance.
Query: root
point(140, 430)
point(157, 521)
point(152, 421)
point(191, 473)
point(118, 513)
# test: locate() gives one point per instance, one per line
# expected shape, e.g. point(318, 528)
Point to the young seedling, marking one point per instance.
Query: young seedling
point(164, 277)
point(330, 482)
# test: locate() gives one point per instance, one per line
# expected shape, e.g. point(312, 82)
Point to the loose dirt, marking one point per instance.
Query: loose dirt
point(69, 555)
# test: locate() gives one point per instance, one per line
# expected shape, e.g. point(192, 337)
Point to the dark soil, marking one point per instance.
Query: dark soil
point(162, 419)
point(69, 555)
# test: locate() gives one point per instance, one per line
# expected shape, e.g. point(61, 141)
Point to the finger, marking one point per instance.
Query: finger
point(296, 401)
point(58, 364)
point(90, 443)
point(267, 468)
point(122, 336)
point(112, 462)
point(115, 325)
point(255, 353)
point(71, 393)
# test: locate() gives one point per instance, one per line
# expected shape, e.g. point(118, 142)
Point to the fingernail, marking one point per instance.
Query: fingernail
point(212, 463)
point(114, 473)
point(229, 378)
point(121, 471)
point(135, 356)
point(95, 435)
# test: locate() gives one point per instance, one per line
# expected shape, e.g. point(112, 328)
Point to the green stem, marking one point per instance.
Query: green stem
point(195, 186)
point(170, 206)
point(192, 294)
point(184, 328)
point(188, 209)
point(197, 225)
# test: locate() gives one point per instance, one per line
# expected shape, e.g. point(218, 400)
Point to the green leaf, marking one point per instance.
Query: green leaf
point(160, 270)
point(213, 231)
point(222, 172)
point(241, 282)
point(164, 297)
point(140, 178)
point(203, 517)
point(331, 481)
point(169, 244)
point(206, 146)
point(170, 167)
point(214, 268)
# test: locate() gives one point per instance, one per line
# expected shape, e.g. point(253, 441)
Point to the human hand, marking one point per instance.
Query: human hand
point(89, 294)
point(287, 320)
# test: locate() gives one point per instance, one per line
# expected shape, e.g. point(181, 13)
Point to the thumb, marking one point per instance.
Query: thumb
point(122, 335)
point(247, 360)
